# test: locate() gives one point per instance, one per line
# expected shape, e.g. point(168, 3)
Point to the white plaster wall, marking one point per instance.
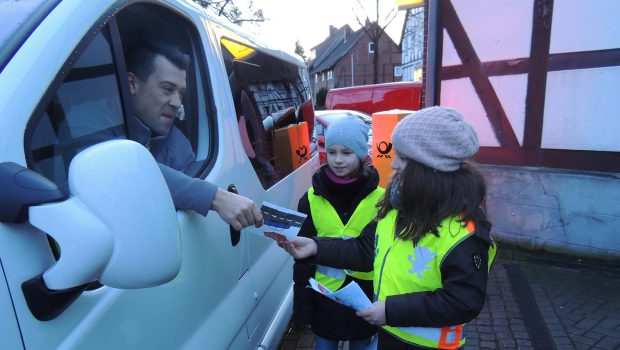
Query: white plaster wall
point(582, 110)
point(579, 25)
point(450, 56)
point(460, 94)
point(510, 90)
point(498, 30)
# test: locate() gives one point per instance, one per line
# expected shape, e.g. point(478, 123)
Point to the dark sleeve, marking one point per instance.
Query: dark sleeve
point(188, 193)
point(177, 153)
point(302, 271)
point(460, 299)
point(354, 254)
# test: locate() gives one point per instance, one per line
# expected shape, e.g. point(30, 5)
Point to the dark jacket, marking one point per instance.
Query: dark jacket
point(329, 319)
point(175, 157)
point(459, 300)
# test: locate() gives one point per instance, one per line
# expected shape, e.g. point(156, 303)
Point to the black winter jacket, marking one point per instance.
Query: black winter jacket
point(327, 318)
point(459, 301)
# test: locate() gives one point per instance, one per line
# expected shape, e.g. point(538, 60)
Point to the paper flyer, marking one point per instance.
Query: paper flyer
point(280, 223)
point(350, 295)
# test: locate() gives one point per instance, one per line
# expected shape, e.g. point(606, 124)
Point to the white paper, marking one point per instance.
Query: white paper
point(281, 223)
point(350, 295)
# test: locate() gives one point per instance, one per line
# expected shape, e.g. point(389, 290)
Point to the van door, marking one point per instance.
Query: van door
point(271, 93)
point(10, 336)
point(66, 87)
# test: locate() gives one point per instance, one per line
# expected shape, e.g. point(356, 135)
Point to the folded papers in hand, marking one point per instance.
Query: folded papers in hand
point(350, 295)
point(281, 224)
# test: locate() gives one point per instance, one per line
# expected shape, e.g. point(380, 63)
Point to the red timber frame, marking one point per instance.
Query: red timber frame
point(536, 66)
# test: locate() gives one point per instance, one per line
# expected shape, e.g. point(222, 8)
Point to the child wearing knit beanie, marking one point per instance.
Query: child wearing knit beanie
point(349, 132)
point(341, 202)
point(430, 245)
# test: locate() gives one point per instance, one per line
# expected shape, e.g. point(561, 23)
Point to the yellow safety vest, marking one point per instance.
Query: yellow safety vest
point(402, 269)
point(328, 224)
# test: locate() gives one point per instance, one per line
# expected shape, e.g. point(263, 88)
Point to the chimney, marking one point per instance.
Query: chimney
point(332, 30)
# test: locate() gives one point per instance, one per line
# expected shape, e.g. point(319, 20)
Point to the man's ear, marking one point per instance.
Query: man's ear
point(133, 82)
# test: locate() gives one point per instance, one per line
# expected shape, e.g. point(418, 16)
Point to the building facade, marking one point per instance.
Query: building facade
point(345, 59)
point(412, 43)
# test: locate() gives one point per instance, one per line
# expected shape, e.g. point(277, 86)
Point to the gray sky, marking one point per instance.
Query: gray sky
point(308, 20)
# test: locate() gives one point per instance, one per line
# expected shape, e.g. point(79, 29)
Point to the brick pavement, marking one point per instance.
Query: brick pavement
point(537, 301)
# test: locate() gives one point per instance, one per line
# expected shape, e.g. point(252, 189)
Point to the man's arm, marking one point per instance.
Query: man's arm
point(238, 211)
point(190, 193)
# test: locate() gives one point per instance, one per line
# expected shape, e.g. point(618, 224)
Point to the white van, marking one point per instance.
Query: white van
point(92, 253)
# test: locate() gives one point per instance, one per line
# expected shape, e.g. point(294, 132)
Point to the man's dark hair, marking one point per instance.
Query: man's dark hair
point(141, 57)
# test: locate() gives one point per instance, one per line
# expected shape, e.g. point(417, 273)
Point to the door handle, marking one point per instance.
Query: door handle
point(235, 236)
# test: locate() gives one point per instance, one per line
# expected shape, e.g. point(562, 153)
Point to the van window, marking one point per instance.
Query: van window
point(84, 110)
point(270, 94)
point(92, 103)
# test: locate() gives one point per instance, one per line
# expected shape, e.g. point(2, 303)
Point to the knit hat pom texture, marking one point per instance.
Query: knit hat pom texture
point(437, 137)
point(349, 132)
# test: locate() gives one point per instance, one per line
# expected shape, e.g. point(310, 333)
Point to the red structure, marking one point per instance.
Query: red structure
point(376, 98)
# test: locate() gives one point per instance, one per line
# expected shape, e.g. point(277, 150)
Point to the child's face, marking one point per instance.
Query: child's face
point(342, 161)
point(399, 162)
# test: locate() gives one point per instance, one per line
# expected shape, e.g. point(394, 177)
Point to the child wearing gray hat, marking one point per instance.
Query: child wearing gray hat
point(341, 202)
point(430, 244)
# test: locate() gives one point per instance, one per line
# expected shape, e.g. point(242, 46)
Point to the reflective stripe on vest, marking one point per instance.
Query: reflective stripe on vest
point(404, 268)
point(328, 224)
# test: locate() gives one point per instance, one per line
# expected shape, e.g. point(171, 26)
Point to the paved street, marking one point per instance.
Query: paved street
point(538, 301)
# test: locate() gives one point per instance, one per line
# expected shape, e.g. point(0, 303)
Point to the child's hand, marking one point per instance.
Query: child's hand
point(374, 315)
point(300, 248)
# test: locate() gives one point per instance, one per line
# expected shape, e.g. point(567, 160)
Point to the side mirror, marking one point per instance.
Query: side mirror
point(118, 226)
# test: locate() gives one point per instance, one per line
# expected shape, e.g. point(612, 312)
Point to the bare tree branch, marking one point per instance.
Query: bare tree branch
point(223, 6)
point(229, 10)
point(374, 30)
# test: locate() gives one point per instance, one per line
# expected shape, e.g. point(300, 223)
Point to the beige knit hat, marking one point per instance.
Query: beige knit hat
point(437, 137)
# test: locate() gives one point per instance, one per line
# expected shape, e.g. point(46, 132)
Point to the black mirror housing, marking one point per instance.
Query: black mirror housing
point(22, 188)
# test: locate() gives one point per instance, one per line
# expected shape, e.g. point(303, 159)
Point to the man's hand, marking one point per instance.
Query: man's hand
point(374, 315)
point(300, 248)
point(237, 211)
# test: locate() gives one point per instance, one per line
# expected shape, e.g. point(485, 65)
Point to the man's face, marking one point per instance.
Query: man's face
point(157, 100)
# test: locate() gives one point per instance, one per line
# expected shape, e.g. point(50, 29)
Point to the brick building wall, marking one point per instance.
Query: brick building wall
point(389, 56)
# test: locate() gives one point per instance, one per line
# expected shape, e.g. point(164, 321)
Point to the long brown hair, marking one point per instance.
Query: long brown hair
point(427, 196)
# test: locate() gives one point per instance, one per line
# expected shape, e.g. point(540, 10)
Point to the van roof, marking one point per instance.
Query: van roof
point(19, 19)
point(257, 43)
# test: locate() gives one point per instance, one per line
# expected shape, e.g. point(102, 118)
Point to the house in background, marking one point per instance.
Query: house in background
point(412, 44)
point(345, 59)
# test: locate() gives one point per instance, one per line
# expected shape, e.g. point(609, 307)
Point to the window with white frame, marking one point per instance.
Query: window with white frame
point(371, 47)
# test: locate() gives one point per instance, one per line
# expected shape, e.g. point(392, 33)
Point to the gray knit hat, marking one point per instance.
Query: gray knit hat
point(437, 137)
point(349, 132)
